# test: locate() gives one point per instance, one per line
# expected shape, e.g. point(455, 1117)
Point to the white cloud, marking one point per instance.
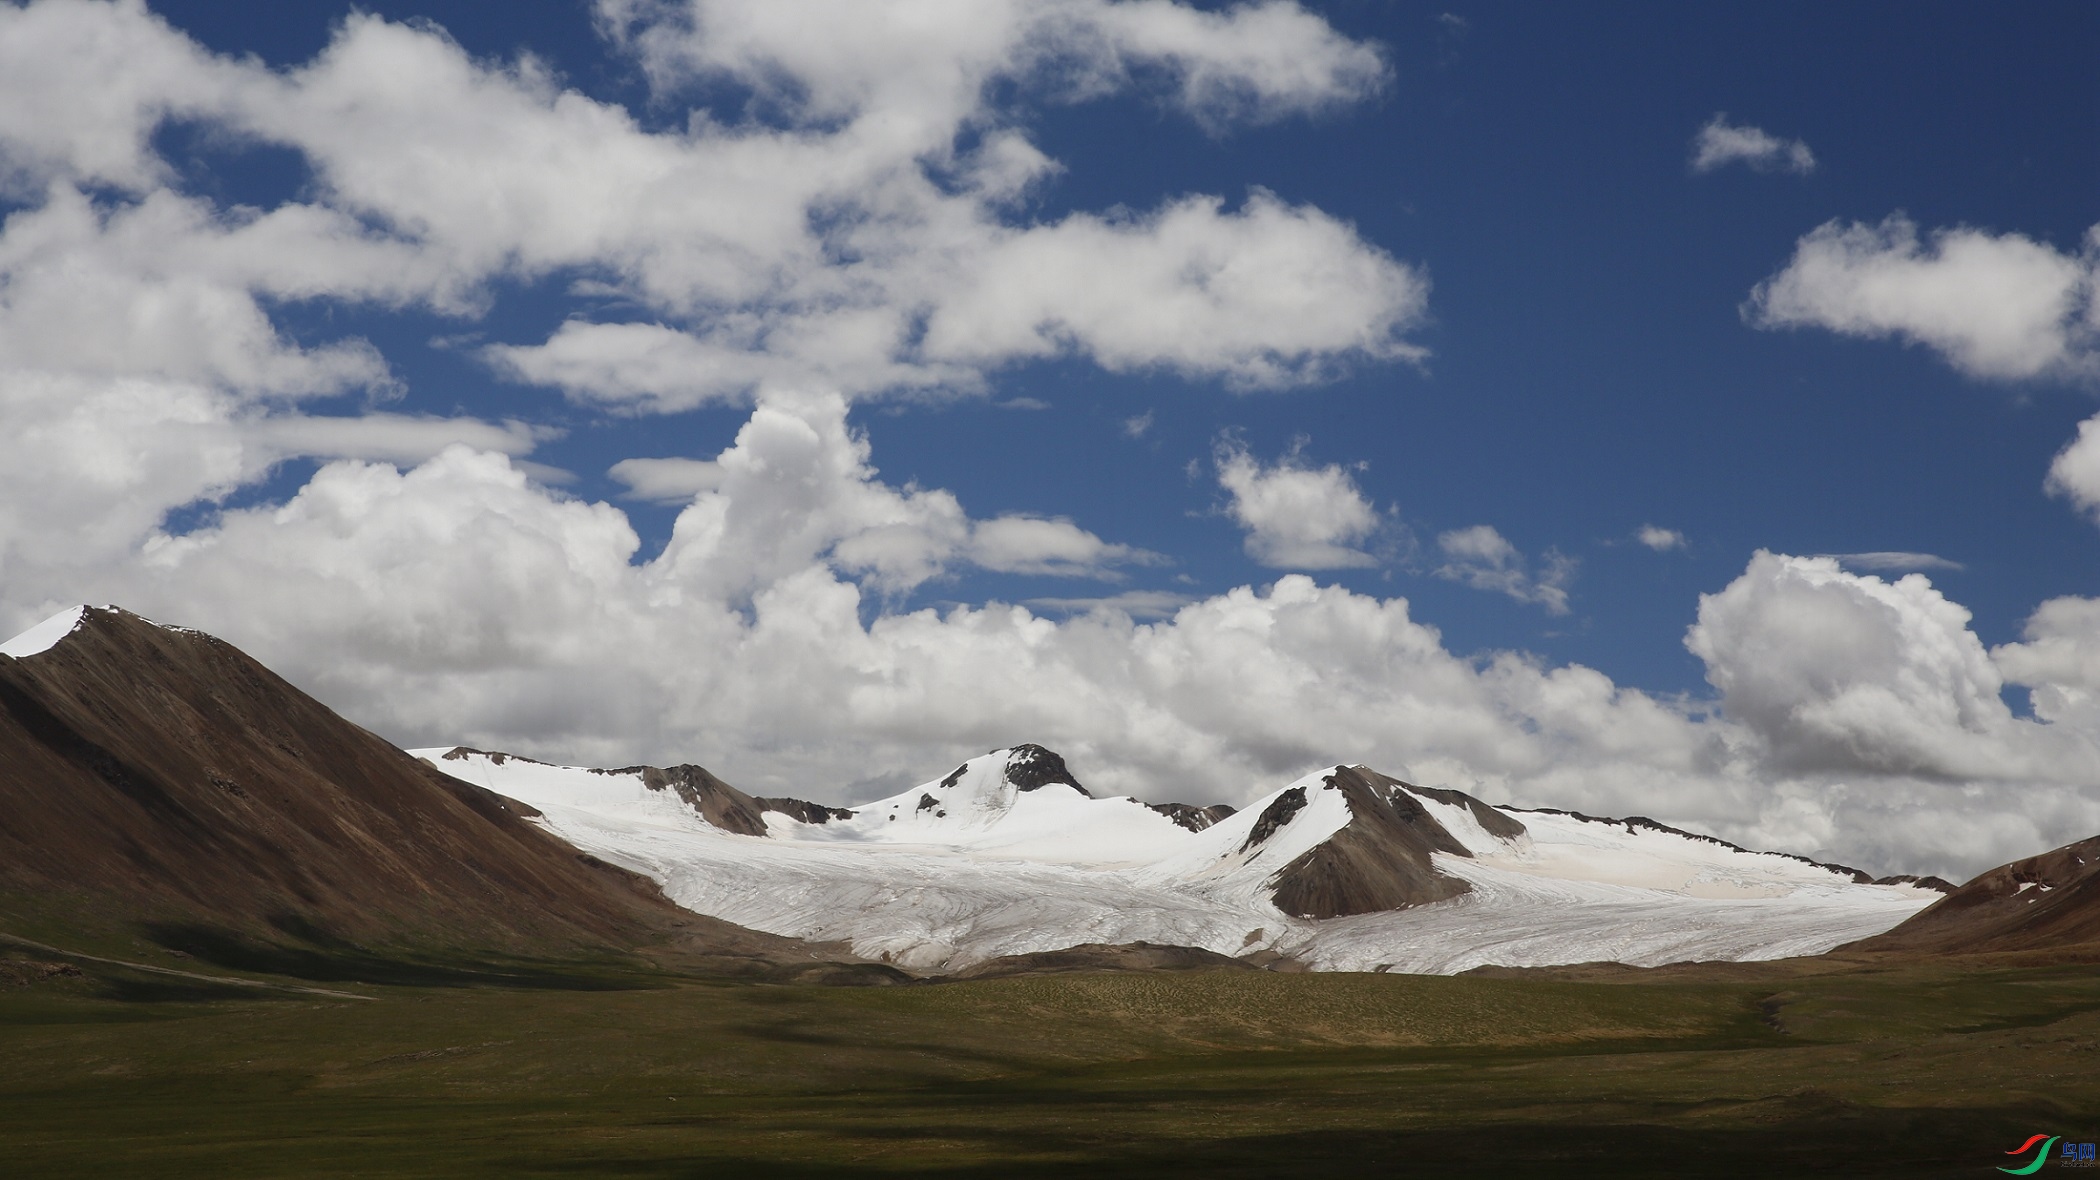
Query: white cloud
point(2000, 306)
point(667, 481)
point(165, 289)
point(840, 243)
point(84, 86)
point(1033, 545)
point(2059, 662)
point(1484, 559)
point(824, 60)
point(1136, 427)
point(457, 602)
point(1720, 143)
point(1268, 295)
point(760, 255)
point(1297, 517)
point(142, 368)
point(1839, 672)
point(1660, 539)
point(2075, 472)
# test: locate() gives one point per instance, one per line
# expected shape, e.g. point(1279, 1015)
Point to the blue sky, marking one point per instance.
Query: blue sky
point(1567, 347)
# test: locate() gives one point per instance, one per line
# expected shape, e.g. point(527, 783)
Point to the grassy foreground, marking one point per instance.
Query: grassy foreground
point(619, 1071)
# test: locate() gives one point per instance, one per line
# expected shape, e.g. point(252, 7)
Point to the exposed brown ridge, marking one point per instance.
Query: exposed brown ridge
point(166, 772)
point(2042, 902)
point(1380, 860)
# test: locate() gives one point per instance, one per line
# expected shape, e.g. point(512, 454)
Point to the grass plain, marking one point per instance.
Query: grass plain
point(614, 1067)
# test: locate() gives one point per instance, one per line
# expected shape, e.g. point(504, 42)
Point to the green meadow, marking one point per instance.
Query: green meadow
point(620, 1068)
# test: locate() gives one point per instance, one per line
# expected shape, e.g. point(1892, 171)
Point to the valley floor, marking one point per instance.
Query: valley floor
point(621, 1070)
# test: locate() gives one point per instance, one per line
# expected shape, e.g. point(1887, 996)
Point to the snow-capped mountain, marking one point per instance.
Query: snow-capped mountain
point(1344, 869)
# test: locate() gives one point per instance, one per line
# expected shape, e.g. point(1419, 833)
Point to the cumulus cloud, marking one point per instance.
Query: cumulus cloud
point(850, 233)
point(1660, 539)
point(857, 239)
point(1484, 559)
point(2059, 662)
point(457, 602)
point(2075, 473)
point(1720, 143)
point(1266, 295)
point(1998, 306)
point(834, 59)
point(1297, 516)
point(1842, 672)
point(143, 368)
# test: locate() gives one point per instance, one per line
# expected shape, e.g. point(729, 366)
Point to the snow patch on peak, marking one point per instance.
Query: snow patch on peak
point(982, 791)
point(45, 635)
point(1265, 836)
point(54, 630)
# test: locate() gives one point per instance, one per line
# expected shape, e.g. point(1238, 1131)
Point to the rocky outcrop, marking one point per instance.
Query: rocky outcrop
point(804, 811)
point(1194, 818)
point(717, 802)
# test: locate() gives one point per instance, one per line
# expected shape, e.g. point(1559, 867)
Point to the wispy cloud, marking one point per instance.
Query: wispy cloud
point(1138, 604)
point(1721, 143)
point(1893, 561)
point(1484, 559)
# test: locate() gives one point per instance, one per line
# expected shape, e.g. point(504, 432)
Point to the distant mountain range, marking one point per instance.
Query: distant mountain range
point(161, 774)
point(1345, 869)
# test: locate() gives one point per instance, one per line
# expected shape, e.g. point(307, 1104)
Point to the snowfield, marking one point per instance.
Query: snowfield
point(973, 867)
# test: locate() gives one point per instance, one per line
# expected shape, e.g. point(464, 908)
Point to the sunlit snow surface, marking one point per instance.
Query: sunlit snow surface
point(943, 876)
point(49, 633)
point(45, 635)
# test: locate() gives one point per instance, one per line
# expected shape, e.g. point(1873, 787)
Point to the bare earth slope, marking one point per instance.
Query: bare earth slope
point(161, 772)
point(2041, 903)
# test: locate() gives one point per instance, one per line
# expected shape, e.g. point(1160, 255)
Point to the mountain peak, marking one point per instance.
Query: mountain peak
point(166, 769)
point(1031, 767)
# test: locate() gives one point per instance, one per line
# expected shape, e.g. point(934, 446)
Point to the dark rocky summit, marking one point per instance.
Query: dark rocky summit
point(1194, 818)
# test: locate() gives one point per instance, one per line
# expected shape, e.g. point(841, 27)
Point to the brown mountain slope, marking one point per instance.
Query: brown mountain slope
point(164, 773)
point(1381, 859)
point(2043, 902)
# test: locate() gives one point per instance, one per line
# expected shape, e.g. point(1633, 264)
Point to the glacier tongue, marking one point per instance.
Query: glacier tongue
point(1004, 857)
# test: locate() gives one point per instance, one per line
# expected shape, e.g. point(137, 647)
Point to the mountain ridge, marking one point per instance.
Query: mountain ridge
point(970, 867)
